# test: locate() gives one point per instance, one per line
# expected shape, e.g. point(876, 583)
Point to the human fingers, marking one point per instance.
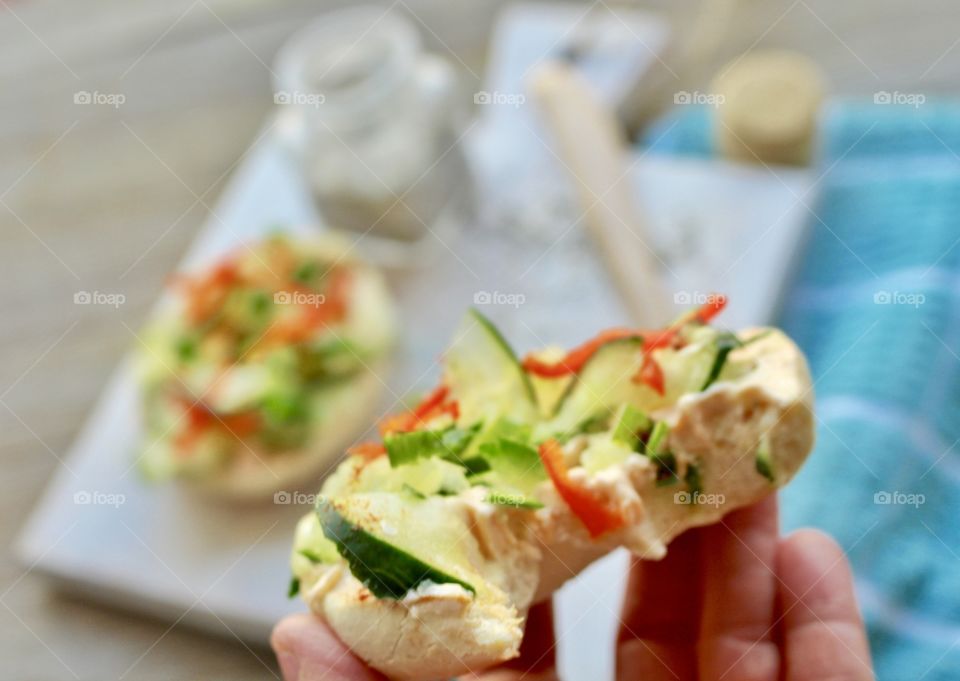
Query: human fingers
point(659, 618)
point(740, 587)
point(824, 635)
point(308, 651)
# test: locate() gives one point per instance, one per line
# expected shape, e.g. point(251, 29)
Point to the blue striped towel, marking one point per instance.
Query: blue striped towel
point(876, 307)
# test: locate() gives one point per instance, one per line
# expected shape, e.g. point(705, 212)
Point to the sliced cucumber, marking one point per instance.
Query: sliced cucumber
point(515, 471)
point(607, 379)
point(311, 547)
point(603, 453)
point(495, 430)
point(600, 388)
point(386, 568)
point(484, 375)
point(427, 476)
point(688, 369)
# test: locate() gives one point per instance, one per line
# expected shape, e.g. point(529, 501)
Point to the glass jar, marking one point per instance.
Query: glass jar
point(372, 122)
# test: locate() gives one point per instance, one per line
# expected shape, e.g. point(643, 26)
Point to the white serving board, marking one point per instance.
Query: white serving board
point(164, 552)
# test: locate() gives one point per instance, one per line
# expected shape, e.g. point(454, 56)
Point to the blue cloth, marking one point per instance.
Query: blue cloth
point(876, 307)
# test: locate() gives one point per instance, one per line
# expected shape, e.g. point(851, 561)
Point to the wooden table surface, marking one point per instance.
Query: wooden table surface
point(98, 198)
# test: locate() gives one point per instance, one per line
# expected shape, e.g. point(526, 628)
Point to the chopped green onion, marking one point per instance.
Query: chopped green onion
point(186, 349)
point(656, 443)
point(631, 426)
point(475, 465)
point(285, 408)
point(260, 302)
point(597, 423)
point(725, 342)
point(666, 464)
point(310, 555)
point(447, 444)
point(513, 458)
point(306, 272)
point(764, 462)
point(694, 483)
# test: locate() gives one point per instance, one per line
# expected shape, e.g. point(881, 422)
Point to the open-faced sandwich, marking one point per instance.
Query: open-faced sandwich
point(426, 550)
point(263, 366)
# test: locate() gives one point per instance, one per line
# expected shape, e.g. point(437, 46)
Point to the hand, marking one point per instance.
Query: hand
point(733, 601)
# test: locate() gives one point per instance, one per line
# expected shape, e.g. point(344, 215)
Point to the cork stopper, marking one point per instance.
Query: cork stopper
point(769, 102)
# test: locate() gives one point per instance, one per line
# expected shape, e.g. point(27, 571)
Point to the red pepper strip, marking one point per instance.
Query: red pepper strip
point(331, 308)
point(205, 293)
point(334, 306)
point(574, 360)
point(368, 450)
point(433, 405)
point(650, 374)
point(707, 312)
point(242, 424)
point(596, 516)
point(200, 418)
point(430, 407)
point(198, 421)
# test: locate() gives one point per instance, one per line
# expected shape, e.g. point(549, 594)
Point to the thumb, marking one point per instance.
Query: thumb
point(308, 651)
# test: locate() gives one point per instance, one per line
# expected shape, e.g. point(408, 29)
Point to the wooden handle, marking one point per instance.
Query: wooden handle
point(590, 144)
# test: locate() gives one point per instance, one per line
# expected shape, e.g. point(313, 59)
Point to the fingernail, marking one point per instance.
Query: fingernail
point(289, 665)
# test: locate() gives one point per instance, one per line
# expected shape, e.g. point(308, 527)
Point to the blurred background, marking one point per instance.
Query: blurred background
point(123, 122)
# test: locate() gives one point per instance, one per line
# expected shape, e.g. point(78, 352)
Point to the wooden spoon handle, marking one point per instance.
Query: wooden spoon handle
point(590, 144)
